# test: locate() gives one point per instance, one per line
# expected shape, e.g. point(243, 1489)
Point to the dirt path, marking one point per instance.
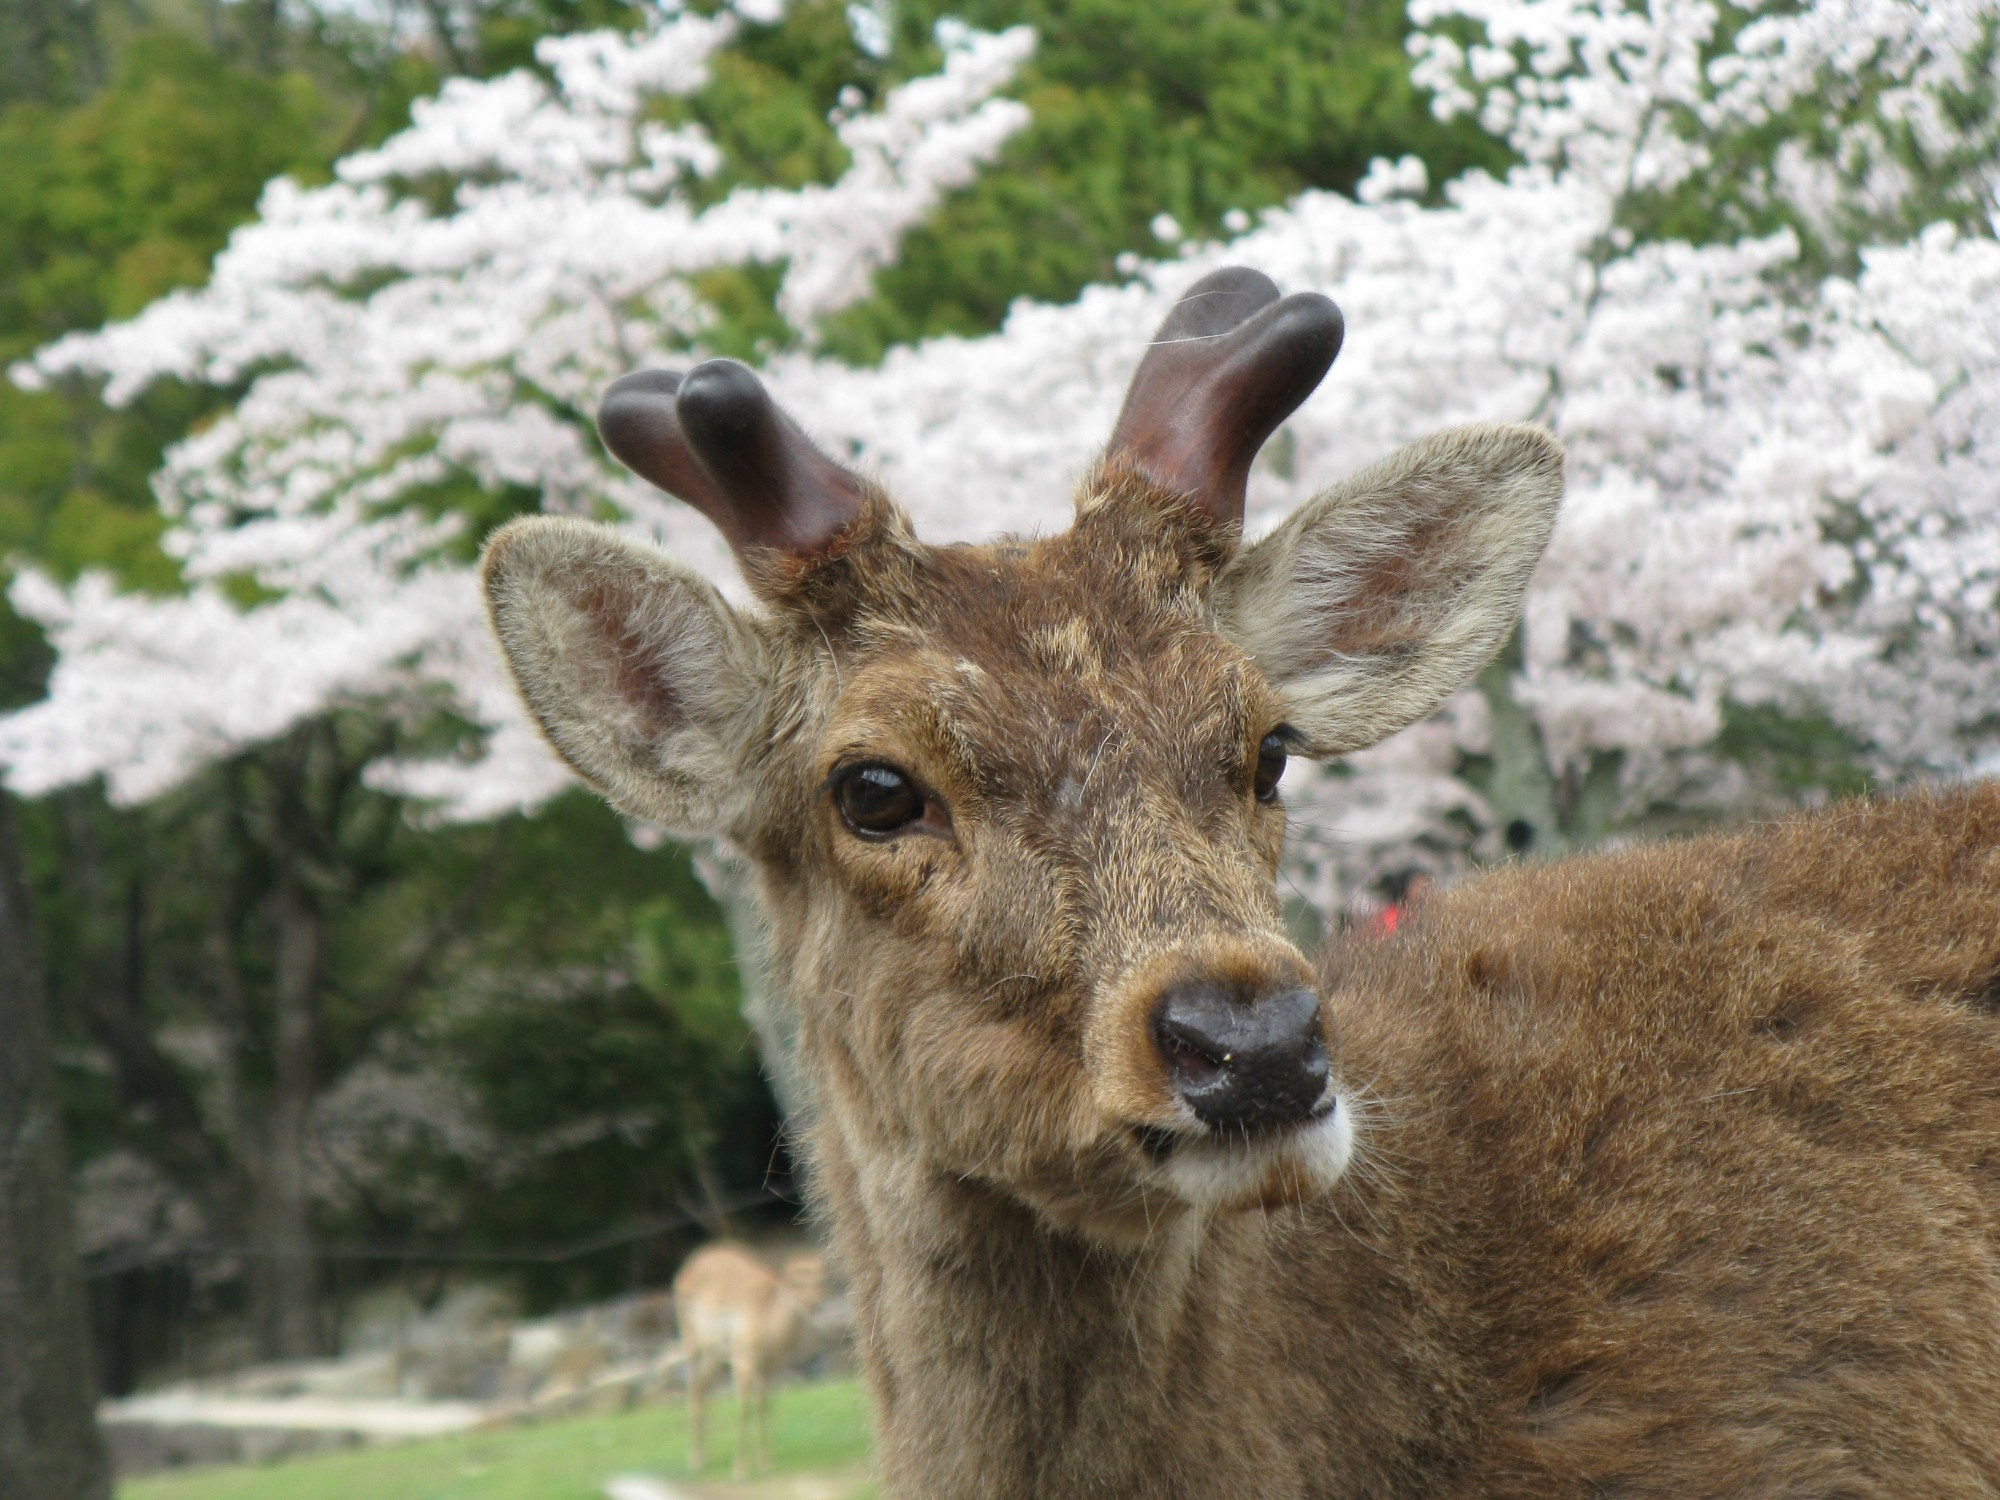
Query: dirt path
point(790, 1487)
point(385, 1418)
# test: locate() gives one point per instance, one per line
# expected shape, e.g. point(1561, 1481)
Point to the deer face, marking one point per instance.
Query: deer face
point(1016, 807)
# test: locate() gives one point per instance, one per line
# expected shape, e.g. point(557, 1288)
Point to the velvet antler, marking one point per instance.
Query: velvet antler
point(715, 438)
point(1231, 361)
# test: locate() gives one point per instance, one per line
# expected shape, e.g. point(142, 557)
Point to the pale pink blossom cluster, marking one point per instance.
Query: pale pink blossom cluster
point(400, 354)
point(1785, 488)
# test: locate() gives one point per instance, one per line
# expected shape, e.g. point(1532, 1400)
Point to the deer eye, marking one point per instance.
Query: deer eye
point(876, 801)
point(1270, 766)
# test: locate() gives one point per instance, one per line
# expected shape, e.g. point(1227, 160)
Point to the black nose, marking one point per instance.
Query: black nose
point(1247, 1066)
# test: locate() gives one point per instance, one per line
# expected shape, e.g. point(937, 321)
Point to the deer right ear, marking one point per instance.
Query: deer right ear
point(644, 680)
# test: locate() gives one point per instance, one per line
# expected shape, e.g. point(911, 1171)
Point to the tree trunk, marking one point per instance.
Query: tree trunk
point(1539, 811)
point(264, 23)
point(50, 50)
point(1520, 790)
point(456, 57)
point(284, 1273)
point(50, 1448)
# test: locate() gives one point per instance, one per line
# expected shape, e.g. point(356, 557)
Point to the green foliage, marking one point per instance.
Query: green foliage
point(1802, 756)
point(689, 965)
point(1194, 107)
point(594, 1016)
point(767, 100)
point(123, 199)
point(49, 49)
point(503, 34)
point(110, 204)
point(617, 1111)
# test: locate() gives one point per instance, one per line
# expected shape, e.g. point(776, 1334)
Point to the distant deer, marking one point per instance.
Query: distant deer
point(1672, 1173)
point(737, 1312)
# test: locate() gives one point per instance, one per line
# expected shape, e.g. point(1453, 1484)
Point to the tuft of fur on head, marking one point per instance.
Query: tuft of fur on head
point(875, 555)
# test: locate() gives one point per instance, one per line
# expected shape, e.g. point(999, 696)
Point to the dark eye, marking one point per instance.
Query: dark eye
point(876, 801)
point(1270, 766)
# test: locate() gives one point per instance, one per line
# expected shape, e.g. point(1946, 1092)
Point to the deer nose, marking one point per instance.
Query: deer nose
point(1244, 1066)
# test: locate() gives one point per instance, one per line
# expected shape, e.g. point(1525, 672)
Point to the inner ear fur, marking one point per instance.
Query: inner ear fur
point(644, 680)
point(1378, 599)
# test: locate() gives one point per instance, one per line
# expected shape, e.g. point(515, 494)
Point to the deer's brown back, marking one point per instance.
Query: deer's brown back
point(1713, 1131)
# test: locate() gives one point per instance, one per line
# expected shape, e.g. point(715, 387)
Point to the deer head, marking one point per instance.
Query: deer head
point(1015, 807)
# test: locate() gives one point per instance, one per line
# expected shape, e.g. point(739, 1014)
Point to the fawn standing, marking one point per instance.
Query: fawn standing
point(737, 1312)
point(1669, 1173)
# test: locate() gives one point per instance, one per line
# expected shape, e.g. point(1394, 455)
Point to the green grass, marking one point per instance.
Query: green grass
point(814, 1429)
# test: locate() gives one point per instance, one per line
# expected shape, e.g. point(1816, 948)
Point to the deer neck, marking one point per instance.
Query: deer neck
point(1010, 1359)
point(998, 1353)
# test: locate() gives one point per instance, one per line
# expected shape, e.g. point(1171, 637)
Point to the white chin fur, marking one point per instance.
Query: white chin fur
point(1221, 1172)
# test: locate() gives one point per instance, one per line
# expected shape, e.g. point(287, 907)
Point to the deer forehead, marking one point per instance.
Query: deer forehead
point(1031, 671)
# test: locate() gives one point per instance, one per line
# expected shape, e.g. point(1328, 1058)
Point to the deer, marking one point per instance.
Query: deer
point(1668, 1172)
point(736, 1312)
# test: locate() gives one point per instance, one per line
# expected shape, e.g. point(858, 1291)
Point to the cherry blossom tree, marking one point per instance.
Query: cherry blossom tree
point(1745, 267)
point(410, 371)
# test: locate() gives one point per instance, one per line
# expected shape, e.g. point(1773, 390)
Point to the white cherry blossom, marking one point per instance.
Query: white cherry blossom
point(1785, 484)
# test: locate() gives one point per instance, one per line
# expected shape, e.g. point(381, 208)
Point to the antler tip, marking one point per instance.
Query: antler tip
point(636, 416)
point(721, 404)
point(1220, 301)
point(1310, 328)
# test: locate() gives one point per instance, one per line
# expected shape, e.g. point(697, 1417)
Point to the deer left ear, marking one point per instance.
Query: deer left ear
point(1379, 599)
